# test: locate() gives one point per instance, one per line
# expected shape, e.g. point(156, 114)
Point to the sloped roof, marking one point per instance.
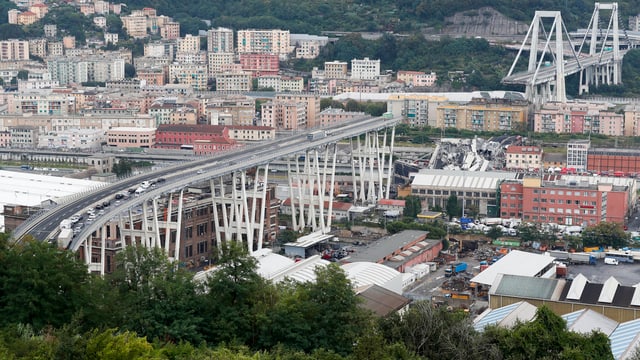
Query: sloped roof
point(625, 338)
point(505, 316)
point(526, 286)
point(367, 273)
point(609, 290)
point(586, 320)
point(514, 263)
point(380, 300)
point(577, 285)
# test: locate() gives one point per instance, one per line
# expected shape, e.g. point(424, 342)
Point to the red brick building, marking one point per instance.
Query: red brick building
point(202, 139)
point(564, 202)
point(260, 64)
point(614, 162)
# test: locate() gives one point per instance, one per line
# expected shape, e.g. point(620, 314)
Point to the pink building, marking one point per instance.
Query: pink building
point(260, 64)
point(131, 137)
point(332, 116)
point(5, 138)
point(564, 202)
point(579, 118)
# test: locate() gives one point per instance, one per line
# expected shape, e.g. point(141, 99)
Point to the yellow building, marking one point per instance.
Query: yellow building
point(481, 117)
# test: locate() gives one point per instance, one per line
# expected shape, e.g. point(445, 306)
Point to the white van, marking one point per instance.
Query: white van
point(610, 261)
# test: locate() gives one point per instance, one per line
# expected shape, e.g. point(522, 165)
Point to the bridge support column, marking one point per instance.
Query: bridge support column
point(234, 218)
point(309, 189)
point(372, 180)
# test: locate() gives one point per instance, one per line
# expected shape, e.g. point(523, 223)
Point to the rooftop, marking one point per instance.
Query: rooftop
point(379, 249)
point(515, 262)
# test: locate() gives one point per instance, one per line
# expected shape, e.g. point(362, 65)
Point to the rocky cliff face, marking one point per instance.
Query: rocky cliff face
point(483, 22)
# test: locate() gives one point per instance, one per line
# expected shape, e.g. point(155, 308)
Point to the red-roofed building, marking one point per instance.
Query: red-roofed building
point(391, 205)
point(523, 158)
point(203, 139)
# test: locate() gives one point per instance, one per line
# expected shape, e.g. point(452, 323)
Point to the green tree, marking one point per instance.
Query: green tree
point(111, 345)
point(605, 234)
point(157, 299)
point(129, 71)
point(23, 75)
point(237, 298)
point(122, 168)
point(546, 337)
point(453, 207)
point(529, 233)
point(41, 285)
point(494, 233)
point(412, 206)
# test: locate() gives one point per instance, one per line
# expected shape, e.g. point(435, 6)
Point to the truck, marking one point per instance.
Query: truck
point(455, 269)
point(574, 258)
point(318, 134)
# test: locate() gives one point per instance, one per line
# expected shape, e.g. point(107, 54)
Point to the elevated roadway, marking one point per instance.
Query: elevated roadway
point(45, 225)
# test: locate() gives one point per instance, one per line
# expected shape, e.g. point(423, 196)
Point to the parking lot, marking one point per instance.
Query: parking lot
point(626, 274)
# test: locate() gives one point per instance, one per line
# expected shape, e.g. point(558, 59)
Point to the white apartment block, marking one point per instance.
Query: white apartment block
point(217, 62)
point(194, 75)
point(111, 38)
point(160, 49)
point(68, 70)
point(83, 139)
point(335, 70)
point(199, 57)
point(365, 69)
point(220, 40)
point(189, 44)
point(264, 42)
point(38, 103)
point(13, 16)
point(100, 21)
point(50, 30)
point(577, 154)
point(38, 47)
point(25, 85)
point(14, 50)
point(308, 46)
point(55, 48)
point(136, 26)
point(281, 83)
point(233, 81)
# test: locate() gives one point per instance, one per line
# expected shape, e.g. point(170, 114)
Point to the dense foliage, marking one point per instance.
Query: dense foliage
point(149, 308)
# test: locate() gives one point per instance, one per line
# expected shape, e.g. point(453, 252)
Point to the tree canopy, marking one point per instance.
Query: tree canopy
point(605, 234)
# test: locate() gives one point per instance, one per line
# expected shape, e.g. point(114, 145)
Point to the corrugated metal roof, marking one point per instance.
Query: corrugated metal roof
point(577, 285)
point(367, 273)
point(624, 338)
point(471, 180)
point(586, 320)
point(514, 263)
point(506, 316)
point(524, 286)
point(609, 290)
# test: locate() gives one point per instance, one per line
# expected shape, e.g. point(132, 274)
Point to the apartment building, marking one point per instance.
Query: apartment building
point(23, 137)
point(203, 139)
point(264, 42)
point(231, 110)
point(365, 69)
point(260, 64)
point(233, 81)
point(577, 151)
point(416, 109)
point(160, 49)
point(417, 78)
point(564, 201)
point(14, 50)
point(251, 133)
point(218, 61)
point(27, 18)
point(523, 157)
point(131, 137)
point(284, 114)
point(220, 40)
point(55, 48)
point(39, 9)
point(330, 116)
point(194, 75)
point(136, 26)
point(94, 68)
point(38, 103)
point(479, 117)
point(311, 102)
point(335, 70)
point(81, 139)
point(281, 83)
point(579, 118)
point(50, 30)
point(632, 120)
point(170, 30)
point(152, 76)
point(111, 38)
point(307, 46)
point(189, 44)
